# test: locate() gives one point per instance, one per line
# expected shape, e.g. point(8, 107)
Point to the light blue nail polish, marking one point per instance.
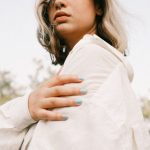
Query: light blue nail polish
point(78, 101)
point(83, 91)
point(65, 118)
point(81, 79)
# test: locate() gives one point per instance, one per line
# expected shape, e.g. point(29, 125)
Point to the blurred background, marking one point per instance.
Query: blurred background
point(24, 63)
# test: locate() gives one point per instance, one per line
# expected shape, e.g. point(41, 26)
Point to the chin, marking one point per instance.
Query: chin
point(64, 29)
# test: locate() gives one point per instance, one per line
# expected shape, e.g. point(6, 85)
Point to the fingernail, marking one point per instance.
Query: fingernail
point(83, 91)
point(65, 118)
point(81, 79)
point(78, 101)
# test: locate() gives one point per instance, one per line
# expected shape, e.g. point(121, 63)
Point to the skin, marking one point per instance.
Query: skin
point(52, 94)
point(80, 22)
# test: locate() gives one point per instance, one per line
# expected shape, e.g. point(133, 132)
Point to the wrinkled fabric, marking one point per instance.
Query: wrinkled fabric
point(109, 118)
point(14, 122)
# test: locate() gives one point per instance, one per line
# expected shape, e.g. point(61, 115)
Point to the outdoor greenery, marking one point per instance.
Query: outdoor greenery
point(146, 106)
point(9, 89)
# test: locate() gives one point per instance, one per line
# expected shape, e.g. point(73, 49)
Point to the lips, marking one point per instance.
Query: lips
point(60, 14)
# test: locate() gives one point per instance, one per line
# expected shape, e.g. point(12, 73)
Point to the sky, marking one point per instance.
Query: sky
point(19, 46)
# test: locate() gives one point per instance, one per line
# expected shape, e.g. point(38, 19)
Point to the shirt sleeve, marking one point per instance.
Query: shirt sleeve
point(110, 118)
point(14, 122)
point(90, 58)
point(92, 63)
point(116, 117)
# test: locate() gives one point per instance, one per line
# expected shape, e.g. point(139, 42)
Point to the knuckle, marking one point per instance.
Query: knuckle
point(57, 90)
point(41, 114)
point(53, 102)
point(37, 115)
point(34, 112)
point(63, 78)
point(41, 93)
point(45, 116)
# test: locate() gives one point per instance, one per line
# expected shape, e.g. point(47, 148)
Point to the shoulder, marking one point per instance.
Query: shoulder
point(93, 46)
point(90, 58)
point(97, 51)
point(91, 53)
point(92, 50)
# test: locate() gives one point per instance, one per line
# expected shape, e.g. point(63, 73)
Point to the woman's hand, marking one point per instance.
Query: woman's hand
point(52, 94)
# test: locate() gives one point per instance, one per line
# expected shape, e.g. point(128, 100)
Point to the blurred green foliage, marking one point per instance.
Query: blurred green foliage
point(146, 106)
point(9, 89)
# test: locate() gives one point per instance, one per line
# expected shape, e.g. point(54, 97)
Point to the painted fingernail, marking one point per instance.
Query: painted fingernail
point(83, 91)
point(81, 79)
point(65, 118)
point(78, 101)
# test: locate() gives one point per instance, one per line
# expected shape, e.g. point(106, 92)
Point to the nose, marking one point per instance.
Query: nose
point(59, 4)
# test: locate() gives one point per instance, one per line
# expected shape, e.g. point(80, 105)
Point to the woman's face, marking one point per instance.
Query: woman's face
point(73, 17)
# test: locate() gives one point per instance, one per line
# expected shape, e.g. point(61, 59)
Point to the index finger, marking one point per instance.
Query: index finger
point(63, 79)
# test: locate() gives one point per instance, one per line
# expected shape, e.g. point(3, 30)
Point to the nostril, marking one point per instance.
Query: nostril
point(59, 5)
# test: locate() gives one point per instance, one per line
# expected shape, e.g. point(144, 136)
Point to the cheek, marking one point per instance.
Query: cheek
point(51, 15)
point(86, 18)
point(85, 13)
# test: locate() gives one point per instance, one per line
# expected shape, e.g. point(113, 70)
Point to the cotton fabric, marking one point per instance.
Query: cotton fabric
point(109, 118)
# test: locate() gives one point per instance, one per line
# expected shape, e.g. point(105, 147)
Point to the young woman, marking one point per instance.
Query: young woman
point(87, 39)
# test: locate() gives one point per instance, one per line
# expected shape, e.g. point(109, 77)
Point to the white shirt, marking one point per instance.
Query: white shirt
point(109, 118)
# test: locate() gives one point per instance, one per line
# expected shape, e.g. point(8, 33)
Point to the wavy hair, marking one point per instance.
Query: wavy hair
point(108, 27)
